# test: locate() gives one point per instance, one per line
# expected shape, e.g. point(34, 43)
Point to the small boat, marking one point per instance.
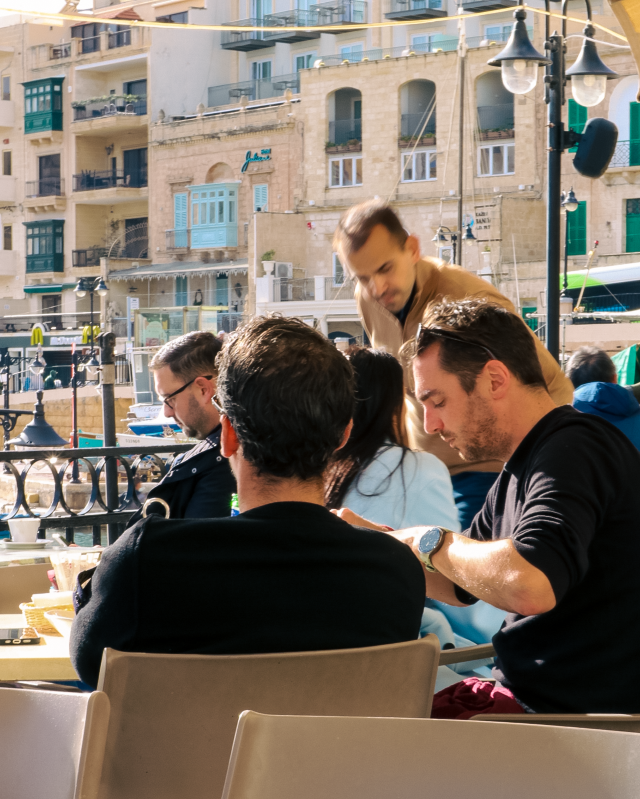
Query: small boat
point(149, 420)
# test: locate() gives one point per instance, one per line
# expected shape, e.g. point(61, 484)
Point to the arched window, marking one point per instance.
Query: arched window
point(345, 116)
point(495, 125)
point(417, 108)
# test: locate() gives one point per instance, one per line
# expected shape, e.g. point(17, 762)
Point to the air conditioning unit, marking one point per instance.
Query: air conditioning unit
point(283, 270)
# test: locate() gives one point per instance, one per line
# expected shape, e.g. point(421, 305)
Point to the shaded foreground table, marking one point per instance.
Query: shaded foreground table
point(48, 661)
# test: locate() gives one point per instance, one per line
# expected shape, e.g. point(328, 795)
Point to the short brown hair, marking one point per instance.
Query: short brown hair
point(356, 224)
point(478, 330)
point(189, 356)
point(289, 394)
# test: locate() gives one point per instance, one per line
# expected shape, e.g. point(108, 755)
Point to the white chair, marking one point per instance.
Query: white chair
point(287, 757)
point(51, 744)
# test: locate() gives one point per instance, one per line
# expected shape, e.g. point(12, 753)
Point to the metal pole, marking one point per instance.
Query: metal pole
point(91, 318)
point(462, 52)
point(107, 343)
point(565, 281)
point(555, 81)
point(7, 371)
point(75, 472)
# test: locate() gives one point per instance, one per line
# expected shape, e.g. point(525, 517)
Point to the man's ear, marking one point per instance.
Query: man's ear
point(229, 444)
point(412, 246)
point(346, 435)
point(499, 378)
point(207, 389)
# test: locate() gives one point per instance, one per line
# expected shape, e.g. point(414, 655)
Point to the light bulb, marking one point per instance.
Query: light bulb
point(37, 366)
point(588, 90)
point(80, 293)
point(519, 76)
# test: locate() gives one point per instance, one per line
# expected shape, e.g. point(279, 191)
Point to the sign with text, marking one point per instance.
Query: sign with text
point(483, 222)
point(263, 155)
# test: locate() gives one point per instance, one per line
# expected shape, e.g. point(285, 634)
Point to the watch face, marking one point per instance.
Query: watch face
point(429, 540)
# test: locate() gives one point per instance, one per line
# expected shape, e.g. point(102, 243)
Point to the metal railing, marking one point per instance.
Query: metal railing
point(46, 187)
point(234, 38)
point(89, 45)
point(178, 239)
point(602, 303)
point(413, 5)
point(627, 153)
point(295, 18)
point(340, 13)
point(495, 117)
point(109, 179)
point(59, 51)
point(345, 131)
point(117, 106)
point(411, 124)
point(253, 89)
point(306, 290)
point(120, 38)
point(88, 257)
point(92, 462)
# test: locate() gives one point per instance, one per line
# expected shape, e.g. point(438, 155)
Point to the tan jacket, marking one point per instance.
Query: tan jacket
point(435, 281)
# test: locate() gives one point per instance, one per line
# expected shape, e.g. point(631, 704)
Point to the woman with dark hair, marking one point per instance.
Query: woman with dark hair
point(375, 474)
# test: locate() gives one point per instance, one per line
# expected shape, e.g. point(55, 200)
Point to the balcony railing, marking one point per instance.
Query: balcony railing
point(90, 180)
point(89, 45)
point(178, 239)
point(495, 117)
point(46, 187)
point(340, 13)
point(345, 131)
point(307, 290)
point(245, 40)
point(627, 153)
point(305, 20)
point(253, 89)
point(89, 257)
point(416, 9)
point(487, 5)
point(115, 105)
point(120, 38)
point(411, 124)
point(60, 51)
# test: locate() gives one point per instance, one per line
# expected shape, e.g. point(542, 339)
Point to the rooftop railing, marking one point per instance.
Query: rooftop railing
point(253, 89)
point(114, 105)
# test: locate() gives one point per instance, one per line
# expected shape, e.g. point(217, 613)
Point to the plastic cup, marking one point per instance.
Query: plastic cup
point(24, 530)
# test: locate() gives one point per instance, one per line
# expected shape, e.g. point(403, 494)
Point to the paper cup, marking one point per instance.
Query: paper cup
point(24, 530)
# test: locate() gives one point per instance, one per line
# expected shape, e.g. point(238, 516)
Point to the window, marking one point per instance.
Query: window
point(497, 159)
point(135, 167)
point(6, 87)
point(304, 61)
point(345, 171)
point(180, 220)
point(49, 175)
point(577, 115)
point(6, 162)
point(420, 165)
point(45, 246)
point(260, 198)
point(352, 52)
point(261, 70)
point(338, 271)
point(137, 87)
point(182, 17)
point(43, 105)
point(51, 308)
point(7, 237)
point(633, 226)
point(182, 290)
point(214, 215)
point(497, 33)
point(577, 230)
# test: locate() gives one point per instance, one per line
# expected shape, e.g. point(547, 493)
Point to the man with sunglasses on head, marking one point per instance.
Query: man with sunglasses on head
point(199, 483)
point(394, 285)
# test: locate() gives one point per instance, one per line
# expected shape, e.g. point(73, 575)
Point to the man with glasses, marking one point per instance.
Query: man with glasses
point(199, 483)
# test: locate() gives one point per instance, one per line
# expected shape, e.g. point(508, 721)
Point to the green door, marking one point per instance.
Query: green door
point(578, 116)
point(634, 134)
point(577, 230)
point(633, 226)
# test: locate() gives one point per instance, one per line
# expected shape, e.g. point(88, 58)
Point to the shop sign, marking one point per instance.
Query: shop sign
point(264, 155)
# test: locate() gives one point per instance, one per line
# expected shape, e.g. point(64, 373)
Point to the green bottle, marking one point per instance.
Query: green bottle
point(235, 508)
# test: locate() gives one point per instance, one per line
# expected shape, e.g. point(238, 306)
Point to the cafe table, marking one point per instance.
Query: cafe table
point(48, 660)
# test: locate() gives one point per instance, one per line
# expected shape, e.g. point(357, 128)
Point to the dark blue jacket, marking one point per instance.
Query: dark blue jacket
point(612, 402)
point(199, 484)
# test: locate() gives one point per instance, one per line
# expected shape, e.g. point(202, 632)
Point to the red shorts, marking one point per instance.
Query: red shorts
point(468, 698)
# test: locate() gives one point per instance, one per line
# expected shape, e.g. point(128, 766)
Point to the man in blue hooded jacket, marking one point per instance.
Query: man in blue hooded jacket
point(595, 381)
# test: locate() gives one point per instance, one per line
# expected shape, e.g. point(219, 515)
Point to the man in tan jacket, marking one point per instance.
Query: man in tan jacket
point(394, 286)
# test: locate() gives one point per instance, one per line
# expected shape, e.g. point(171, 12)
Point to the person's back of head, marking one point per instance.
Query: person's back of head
point(377, 419)
point(288, 394)
point(590, 364)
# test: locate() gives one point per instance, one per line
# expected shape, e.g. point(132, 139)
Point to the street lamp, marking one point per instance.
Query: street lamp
point(89, 285)
point(38, 365)
point(569, 204)
point(468, 237)
point(519, 62)
point(441, 239)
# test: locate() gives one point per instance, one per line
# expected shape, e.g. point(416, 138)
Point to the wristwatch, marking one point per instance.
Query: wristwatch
point(429, 544)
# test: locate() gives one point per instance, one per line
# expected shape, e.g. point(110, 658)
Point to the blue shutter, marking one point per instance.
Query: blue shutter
point(260, 197)
point(181, 290)
point(180, 220)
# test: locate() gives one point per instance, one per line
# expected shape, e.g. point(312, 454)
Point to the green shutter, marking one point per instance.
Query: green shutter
point(577, 230)
point(634, 134)
point(633, 226)
point(578, 115)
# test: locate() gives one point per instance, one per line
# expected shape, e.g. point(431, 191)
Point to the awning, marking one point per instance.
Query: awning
point(115, 13)
point(48, 288)
point(628, 15)
point(603, 275)
point(179, 269)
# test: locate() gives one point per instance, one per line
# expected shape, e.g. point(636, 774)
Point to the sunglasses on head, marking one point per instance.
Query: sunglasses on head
point(443, 333)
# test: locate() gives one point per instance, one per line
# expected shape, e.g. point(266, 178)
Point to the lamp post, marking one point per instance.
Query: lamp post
point(569, 204)
point(441, 238)
point(90, 285)
point(519, 62)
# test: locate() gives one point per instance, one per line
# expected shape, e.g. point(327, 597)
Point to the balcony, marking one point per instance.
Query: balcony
point(91, 180)
point(310, 289)
point(45, 195)
point(412, 124)
point(178, 239)
point(89, 257)
point(119, 38)
point(487, 5)
point(60, 52)
point(339, 13)
point(253, 90)
point(627, 153)
point(416, 9)
point(245, 40)
point(113, 105)
point(89, 45)
point(495, 121)
point(305, 20)
point(345, 132)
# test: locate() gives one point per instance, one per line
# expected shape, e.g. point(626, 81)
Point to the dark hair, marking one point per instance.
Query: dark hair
point(590, 364)
point(189, 356)
point(474, 331)
point(356, 224)
point(288, 392)
point(376, 421)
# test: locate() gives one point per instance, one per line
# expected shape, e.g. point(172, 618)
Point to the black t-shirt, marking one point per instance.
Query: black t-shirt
point(284, 577)
point(569, 498)
point(402, 314)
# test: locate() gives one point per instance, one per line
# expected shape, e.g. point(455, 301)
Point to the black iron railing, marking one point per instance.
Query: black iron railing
point(109, 179)
point(412, 124)
point(45, 187)
point(131, 462)
point(495, 117)
point(117, 105)
point(89, 257)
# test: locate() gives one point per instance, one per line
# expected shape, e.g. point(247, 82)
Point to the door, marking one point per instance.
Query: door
point(136, 237)
point(634, 134)
point(51, 307)
point(135, 168)
point(49, 175)
point(578, 115)
point(633, 226)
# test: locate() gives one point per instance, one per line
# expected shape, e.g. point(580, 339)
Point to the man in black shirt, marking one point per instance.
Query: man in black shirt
point(557, 542)
point(285, 574)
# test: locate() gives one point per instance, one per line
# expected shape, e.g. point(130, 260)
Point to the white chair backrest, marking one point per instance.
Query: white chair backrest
point(280, 757)
point(591, 721)
point(51, 744)
point(173, 717)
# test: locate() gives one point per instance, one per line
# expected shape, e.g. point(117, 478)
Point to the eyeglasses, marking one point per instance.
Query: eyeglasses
point(169, 397)
point(216, 404)
point(439, 331)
